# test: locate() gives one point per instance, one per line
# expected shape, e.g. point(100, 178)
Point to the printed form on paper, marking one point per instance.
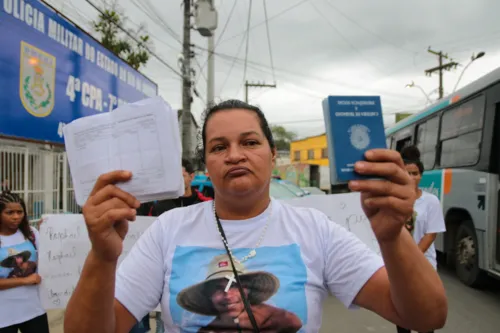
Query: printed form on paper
point(141, 137)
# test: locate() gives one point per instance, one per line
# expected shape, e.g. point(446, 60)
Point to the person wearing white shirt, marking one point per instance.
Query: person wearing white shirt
point(245, 262)
point(427, 220)
point(20, 306)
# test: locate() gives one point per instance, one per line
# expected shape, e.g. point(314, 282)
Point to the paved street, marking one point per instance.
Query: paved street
point(470, 311)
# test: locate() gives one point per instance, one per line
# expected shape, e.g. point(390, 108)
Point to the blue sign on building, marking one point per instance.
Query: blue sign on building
point(51, 73)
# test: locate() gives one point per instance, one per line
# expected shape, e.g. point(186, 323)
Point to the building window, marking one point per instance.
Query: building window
point(310, 154)
point(324, 153)
point(296, 155)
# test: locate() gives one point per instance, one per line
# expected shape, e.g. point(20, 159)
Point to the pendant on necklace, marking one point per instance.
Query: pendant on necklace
point(252, 254)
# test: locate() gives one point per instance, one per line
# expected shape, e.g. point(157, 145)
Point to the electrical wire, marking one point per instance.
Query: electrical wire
point(269, 40)
point(248, 38)
point(286, 10)
point(382, 39)
point(346, 40)
point(135, 39)
point(146, 7)
point(234, 59)
point(261, 68)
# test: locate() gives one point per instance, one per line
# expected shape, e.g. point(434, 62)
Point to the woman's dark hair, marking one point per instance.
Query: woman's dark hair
point(231, 105)
point(411, 155)
point(7, 197)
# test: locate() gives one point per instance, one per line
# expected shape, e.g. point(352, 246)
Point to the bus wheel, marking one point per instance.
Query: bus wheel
point(467, 257)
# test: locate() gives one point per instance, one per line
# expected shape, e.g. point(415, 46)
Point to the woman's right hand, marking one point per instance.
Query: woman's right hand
point(107, 212)
point(33, 279)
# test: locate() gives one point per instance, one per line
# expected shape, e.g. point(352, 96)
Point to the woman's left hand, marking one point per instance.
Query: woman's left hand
point(387, 202)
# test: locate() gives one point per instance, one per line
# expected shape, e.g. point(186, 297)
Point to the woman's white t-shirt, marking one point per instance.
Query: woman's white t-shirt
point(429, 220)
point(302, 258)
point(19, 304)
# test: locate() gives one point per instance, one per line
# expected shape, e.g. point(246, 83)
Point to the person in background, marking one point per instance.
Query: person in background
point(20, 306)
point(427, 219)
point(191, 195)
point(4, 186)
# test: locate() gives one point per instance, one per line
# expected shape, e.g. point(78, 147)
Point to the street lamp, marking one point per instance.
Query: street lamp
point(413, 85)
point(472, 59)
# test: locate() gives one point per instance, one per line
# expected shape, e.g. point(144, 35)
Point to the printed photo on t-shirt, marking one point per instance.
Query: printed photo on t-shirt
point(205, 296)
point(18, 261)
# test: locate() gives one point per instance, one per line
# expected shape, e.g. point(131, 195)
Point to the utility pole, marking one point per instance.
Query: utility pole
point(256, 85)
point(206, 20)
point(186, 84)
point(441, 68)
point(210, 70)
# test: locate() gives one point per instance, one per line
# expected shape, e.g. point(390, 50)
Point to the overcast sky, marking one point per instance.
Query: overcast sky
point(319, 48)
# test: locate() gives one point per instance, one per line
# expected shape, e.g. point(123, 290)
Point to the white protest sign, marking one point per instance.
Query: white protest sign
point(64, 245)
point(344, 209)
point(64, 242)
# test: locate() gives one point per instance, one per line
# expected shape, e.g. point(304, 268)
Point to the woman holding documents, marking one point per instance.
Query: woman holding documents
point(245, 262)
point(427, 219)
point(20, 306)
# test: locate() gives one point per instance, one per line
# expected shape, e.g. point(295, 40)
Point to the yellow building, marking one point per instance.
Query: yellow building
point(310, 150)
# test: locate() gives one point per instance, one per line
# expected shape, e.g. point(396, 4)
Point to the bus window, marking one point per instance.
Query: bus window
point(400, 144)
point(427, 136)
point(461, 151)
point(463, 118)
point(461, 134)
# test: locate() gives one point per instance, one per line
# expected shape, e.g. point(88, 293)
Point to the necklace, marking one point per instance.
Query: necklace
point(252, 252)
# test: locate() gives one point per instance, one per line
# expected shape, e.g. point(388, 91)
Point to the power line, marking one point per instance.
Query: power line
point(269, 41)
point(232, 64)
point(382, 39)
point(151, 11)
point(248, 38)
point(271, 18)
point(258, 67)
point(138, 42)
point(346, 40)
point(226, 24)
point(314, 120)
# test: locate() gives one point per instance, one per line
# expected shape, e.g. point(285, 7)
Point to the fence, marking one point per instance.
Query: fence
point(40, 175)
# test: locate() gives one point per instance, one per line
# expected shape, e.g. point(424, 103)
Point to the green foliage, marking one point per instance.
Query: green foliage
point(115, 40)
point(282, 137)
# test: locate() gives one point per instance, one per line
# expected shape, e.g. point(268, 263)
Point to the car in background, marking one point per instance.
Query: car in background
point(291, 186)
point(278, 189)
point(314, 190)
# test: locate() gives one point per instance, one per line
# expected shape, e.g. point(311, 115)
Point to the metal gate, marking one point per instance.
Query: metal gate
point(40, 176)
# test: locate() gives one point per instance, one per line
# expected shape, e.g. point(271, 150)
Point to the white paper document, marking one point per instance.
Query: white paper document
point(141, 137)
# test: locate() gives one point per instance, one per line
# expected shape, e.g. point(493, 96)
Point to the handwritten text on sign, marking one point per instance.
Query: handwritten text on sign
point(64, 245)
point(344, 209)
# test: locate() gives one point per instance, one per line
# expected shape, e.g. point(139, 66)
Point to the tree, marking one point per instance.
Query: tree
point(282, 137)
point(112, 37)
